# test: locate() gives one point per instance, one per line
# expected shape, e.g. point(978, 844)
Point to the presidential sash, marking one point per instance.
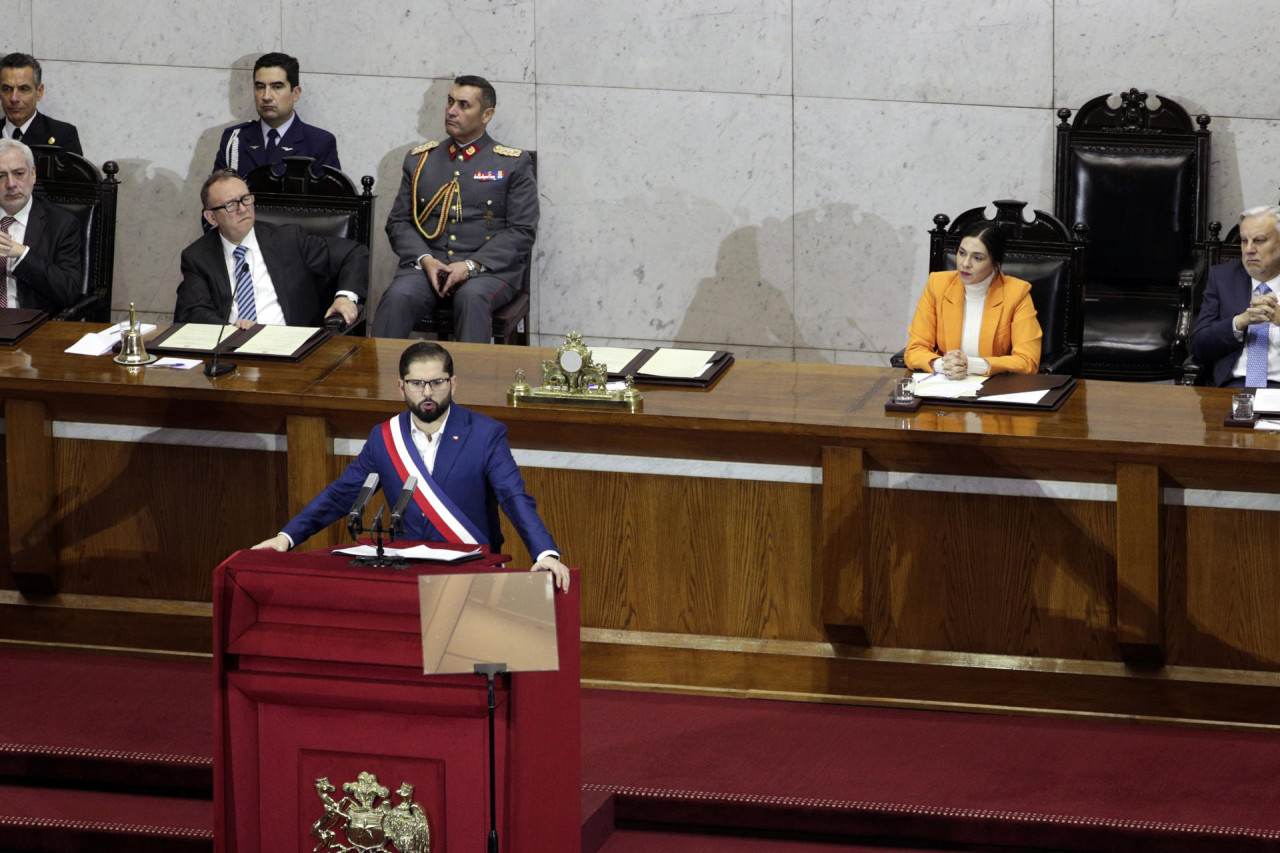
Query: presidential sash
point(450, 521)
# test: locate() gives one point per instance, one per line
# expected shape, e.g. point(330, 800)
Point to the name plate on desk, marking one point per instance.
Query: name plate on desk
point(494, 617)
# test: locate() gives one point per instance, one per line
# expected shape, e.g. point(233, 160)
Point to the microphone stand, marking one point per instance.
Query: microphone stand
point(214, 368)
point(489, 671)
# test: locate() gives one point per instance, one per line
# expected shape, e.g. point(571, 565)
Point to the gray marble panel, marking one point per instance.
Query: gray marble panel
point(869, 178)
point(969, 52)
point(1192, 52)
point(1241, 171)
point(645, 238)
point(17, 25)
point(161, 165)
point(699, 45)
point(438, 39)
point(152, 33)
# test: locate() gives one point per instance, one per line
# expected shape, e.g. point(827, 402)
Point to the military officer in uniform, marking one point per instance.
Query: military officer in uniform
point(21, 87)
point(462, 224)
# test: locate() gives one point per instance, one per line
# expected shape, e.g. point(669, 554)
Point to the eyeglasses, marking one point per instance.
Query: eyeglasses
point(421, 385)
point(234, 205)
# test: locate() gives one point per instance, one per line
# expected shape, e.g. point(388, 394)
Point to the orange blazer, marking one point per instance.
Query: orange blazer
point(1010, 336)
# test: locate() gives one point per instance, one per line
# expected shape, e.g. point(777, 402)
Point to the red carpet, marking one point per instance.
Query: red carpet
point(100, 752)
point(930, 776)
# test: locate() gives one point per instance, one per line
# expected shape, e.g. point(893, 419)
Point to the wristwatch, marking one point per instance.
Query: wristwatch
point(472, 266)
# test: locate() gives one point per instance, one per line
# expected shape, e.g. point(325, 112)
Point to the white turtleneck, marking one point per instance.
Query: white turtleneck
point(975, 302)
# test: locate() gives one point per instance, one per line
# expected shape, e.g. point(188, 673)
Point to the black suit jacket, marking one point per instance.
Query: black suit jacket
point(306, 270)
point(49, 131)
point(1213, 340)
point(51, 275)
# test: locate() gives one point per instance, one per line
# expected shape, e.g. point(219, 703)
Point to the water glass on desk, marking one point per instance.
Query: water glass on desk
point(904, 391)
point(1242, 407)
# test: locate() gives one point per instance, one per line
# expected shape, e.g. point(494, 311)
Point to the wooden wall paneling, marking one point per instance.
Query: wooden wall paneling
point(29, 482)
point(1139, 620)
point(151, 521)
point(310, 466)
point(991, 574)
point(843, 546)
point(685, 554)
point(1222, 611)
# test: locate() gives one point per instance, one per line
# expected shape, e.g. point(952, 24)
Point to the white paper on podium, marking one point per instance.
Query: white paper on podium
point(416, 552)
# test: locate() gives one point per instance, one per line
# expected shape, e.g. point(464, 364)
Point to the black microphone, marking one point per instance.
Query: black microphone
point(402, 503)
point(213, 368)
point(362, 500)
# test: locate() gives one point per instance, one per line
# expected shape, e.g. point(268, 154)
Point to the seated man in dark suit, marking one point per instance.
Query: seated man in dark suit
point(1237, 334)
point(245, 273)
point(278, 132)
point(43, 245)
point(21, 86)
point(462, 481)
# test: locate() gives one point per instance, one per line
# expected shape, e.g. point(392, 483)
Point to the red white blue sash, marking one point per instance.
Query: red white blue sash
point(451, 522)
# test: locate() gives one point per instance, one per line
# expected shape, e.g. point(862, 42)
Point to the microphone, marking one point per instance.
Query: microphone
point(402, 503)
point(213, 368)
point(362, 500)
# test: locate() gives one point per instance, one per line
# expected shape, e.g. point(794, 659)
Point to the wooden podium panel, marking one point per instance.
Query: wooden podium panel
point(319, 670)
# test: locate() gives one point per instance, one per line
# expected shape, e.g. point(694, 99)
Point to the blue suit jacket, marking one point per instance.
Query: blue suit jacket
point(475, 469)
point(301, 140)
point(1213, 340)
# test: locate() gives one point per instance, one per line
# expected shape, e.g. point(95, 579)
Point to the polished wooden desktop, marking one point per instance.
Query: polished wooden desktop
point(741, 583)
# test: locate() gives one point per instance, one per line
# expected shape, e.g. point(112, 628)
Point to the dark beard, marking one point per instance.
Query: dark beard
point(434, 414)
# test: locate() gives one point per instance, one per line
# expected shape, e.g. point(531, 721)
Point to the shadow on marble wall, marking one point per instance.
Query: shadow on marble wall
point(739, 302)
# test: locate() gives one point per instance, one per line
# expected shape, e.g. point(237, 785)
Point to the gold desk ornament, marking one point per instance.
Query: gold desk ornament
point(573, 378)
point(369, 826)
point(133, 352)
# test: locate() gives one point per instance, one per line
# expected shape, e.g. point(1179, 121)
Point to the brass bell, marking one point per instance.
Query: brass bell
point(133, 352)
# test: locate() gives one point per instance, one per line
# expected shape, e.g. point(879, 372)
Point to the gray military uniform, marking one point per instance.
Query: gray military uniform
point(490, 216)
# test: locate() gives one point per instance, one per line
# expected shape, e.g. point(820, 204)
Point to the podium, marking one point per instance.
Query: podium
point(319, 676)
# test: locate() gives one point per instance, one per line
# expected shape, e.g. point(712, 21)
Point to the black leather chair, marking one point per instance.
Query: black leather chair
point(1138, 176)
point(74, 184)
point(1043, 252)
point(510, 322)
point(326, 204)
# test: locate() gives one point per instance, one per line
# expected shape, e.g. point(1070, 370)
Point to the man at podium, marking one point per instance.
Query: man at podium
point(461, 460)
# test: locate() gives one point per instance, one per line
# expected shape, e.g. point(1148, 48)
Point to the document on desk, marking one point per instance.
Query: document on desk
point(199, 336)
point(1267, 400)
point(277, 340)
point(614, 358)
point(1020, 398)
point(937, 385)
point(416, 552)
point(678, 363)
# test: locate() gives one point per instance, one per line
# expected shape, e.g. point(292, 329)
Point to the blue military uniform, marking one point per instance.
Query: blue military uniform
point(477, 202)
point(243, 148)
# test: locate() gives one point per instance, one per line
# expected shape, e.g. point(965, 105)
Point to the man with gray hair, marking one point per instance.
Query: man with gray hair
point(42, 244)
point(1237, 335)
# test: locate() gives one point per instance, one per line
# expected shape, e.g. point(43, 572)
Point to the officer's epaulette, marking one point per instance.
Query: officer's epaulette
point(507, 152)
point(422, 149)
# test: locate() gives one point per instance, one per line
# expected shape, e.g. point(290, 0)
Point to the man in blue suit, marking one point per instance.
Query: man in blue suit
point(278, 132)
point(461, 460)
point(1239, 314)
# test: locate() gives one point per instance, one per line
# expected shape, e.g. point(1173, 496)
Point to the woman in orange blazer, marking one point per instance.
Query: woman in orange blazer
point(975, 320)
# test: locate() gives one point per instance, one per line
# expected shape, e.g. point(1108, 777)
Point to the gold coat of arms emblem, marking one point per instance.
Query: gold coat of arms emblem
point(365, 820)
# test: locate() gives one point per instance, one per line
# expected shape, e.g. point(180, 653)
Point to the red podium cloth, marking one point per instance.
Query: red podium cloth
point(319, 674)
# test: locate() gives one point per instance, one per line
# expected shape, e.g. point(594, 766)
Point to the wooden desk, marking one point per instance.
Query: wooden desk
point(711, 578)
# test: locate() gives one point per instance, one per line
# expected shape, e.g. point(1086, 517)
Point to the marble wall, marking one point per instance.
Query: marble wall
point(753, 173)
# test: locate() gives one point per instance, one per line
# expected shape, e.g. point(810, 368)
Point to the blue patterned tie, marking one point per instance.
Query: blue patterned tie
point(244, 286)
point(1255, 366)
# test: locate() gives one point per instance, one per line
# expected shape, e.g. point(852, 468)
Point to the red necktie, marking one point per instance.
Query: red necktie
point(4, 270)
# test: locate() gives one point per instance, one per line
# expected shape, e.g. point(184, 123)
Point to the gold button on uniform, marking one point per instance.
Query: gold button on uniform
point(451, 252)
point(453, 236)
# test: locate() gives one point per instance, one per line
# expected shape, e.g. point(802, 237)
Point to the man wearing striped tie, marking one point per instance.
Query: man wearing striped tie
point(245, 272)
point(1238, 331)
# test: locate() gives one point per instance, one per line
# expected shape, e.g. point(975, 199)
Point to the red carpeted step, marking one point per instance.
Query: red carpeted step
point(105, 720)
point(933, 776)
point(56, 820)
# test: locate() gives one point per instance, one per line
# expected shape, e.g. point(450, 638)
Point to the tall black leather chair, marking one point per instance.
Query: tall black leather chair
point(326, 204)
point(74, 184)
point(510, 322)
point(1138, 175)
point(1043, 252)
